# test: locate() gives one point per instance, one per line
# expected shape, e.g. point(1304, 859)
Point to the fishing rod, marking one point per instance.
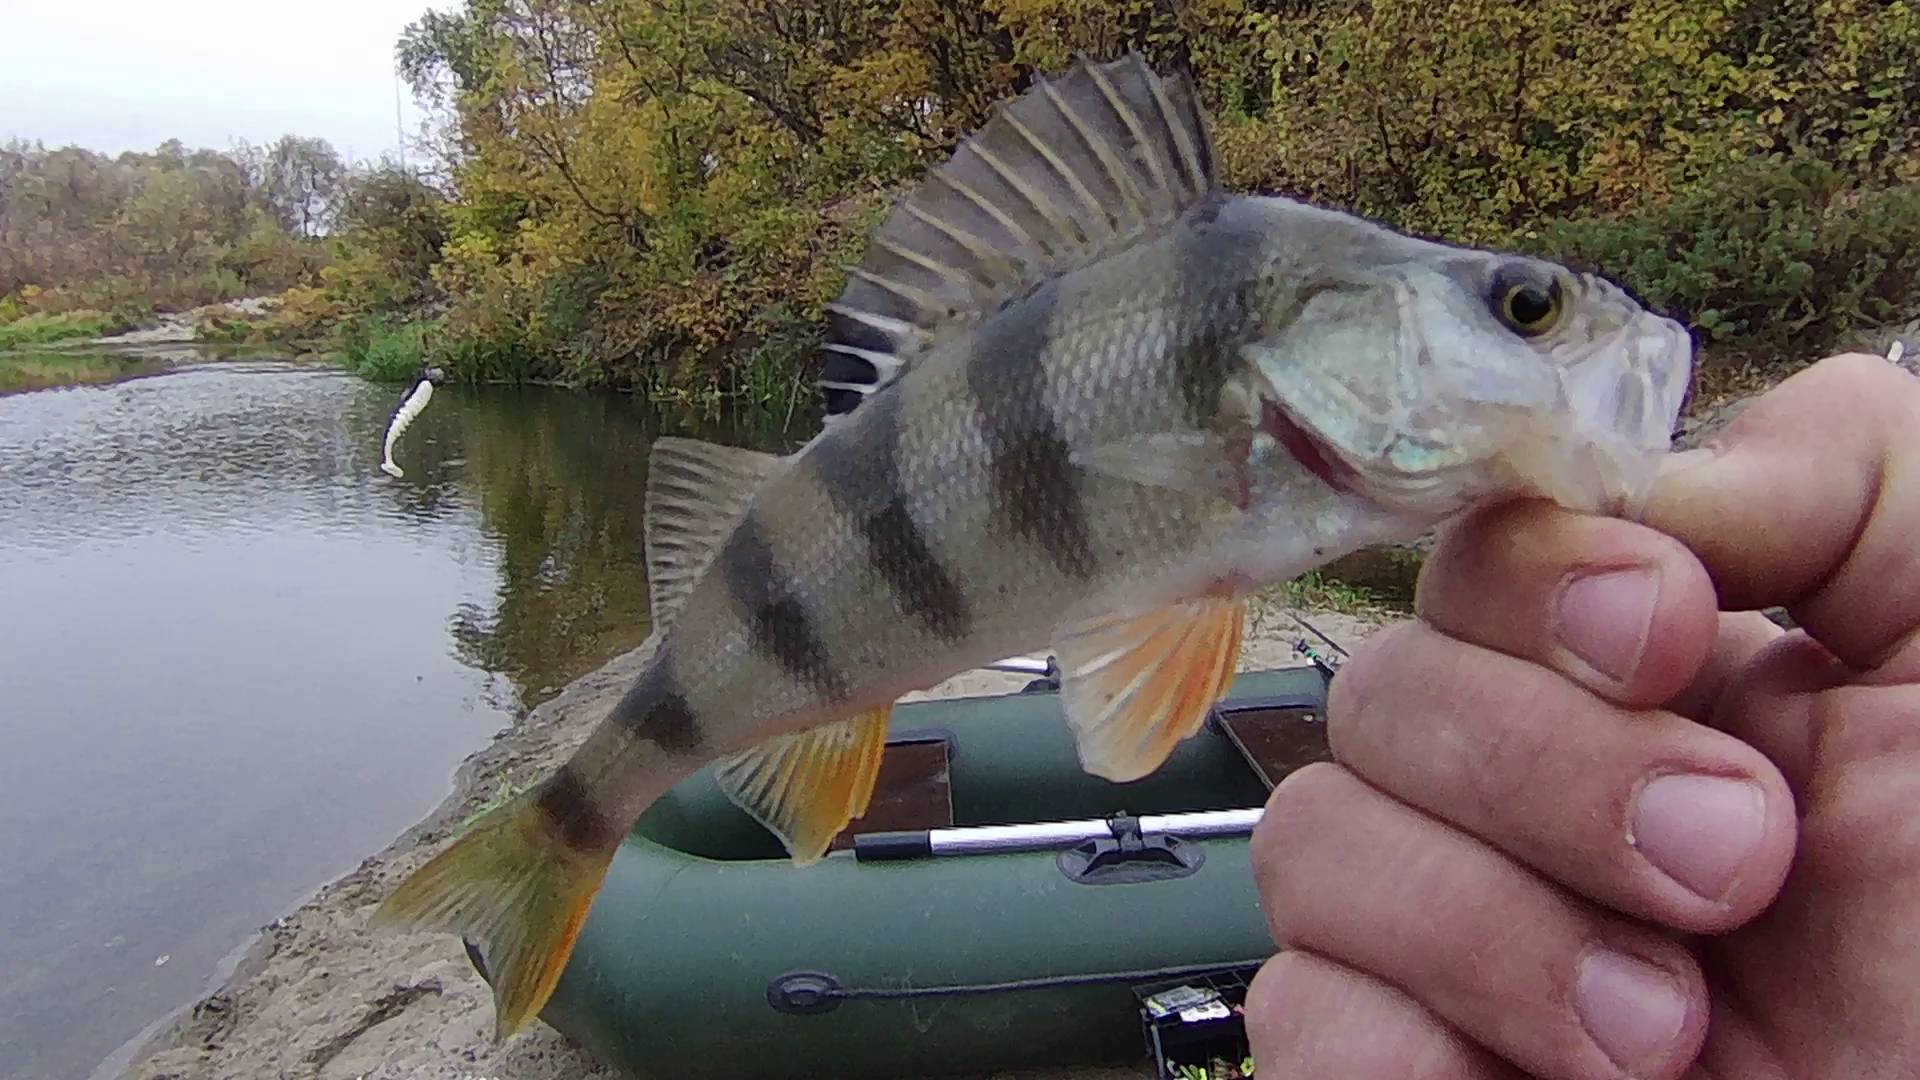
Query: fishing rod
point(1302, 647)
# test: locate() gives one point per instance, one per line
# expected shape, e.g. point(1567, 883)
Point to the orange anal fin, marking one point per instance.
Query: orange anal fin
point(805, 787)
point(1134, 687)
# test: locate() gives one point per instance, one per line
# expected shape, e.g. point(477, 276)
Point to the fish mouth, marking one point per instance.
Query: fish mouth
point(1621, 399)
point(1312, 452)
point(1383, 482)
point(1627, 385)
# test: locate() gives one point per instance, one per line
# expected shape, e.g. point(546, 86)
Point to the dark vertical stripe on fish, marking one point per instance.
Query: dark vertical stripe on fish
point(781, 626)
point(1201, 367)
point(1036, 487)
point(655, 710)
point(861, 474)
point(569, 807)
point(1203, 358)
point(915, 574)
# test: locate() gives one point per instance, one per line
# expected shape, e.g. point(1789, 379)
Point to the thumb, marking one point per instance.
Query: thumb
point(1811, 500)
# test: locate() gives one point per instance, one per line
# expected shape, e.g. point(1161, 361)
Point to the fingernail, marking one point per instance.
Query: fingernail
point(1633, 1010)
point(1699, 830)
point(1604, 618)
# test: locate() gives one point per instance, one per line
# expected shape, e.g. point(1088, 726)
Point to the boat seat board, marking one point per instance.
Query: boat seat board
point(914, 791)
point(1277, 740)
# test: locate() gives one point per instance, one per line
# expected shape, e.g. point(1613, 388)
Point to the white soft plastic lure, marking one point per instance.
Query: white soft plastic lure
point(404, 417)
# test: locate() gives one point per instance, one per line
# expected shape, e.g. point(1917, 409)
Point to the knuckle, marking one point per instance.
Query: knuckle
point(1280, 840)
point(1300, 797)
point(1374, 659)
point(1870, 368)
point(1271, 994)
point(1862, 378)
point(1511, 761)
point(1274, 1006)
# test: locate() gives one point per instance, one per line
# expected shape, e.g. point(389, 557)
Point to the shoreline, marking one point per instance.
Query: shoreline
point(317, 994)
point(165, 344)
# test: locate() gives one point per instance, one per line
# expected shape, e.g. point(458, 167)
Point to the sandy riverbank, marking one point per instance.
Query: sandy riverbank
point(318, 995)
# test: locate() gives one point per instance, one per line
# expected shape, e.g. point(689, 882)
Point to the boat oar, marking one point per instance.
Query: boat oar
point(1046, 672)
point(1049, 835)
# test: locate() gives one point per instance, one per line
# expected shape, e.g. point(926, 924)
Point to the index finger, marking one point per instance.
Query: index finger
point(1811, 500)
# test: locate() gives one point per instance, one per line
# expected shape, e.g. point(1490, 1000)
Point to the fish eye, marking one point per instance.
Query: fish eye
point(1529, 308)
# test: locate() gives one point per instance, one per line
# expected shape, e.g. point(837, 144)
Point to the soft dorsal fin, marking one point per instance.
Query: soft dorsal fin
point(696, 493)
point(1069, 172)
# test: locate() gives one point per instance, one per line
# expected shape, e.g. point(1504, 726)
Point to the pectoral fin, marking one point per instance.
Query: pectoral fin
point(1134, 687)
point(1189, 461)
point(805, 787)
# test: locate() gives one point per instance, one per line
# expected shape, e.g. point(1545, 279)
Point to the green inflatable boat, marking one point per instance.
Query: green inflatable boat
point(996, 908)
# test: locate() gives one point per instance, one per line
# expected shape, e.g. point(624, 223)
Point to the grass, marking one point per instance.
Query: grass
point(38, 329)
point(383, 351)
point(40, 371)
point(1375, 583)
point(1315, 590)
point(505, 793)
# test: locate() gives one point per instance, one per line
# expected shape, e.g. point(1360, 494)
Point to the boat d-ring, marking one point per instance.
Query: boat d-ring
point(805, 993)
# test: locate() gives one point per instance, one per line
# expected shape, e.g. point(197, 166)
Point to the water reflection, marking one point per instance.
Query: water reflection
point(560, 491)
point(217, 617)
point(559, 487)
point(22, 370)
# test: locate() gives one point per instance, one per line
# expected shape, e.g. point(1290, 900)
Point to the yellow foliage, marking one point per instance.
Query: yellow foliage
point(303, 312)
point(663, 196)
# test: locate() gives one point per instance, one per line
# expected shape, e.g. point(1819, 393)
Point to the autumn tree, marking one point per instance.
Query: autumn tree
point(171, 228)
point(301, 182)
point(661, 194)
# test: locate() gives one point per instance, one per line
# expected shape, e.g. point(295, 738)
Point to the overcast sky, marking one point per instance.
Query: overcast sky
point(115, 75)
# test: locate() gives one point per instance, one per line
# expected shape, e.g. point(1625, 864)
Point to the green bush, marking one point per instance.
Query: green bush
point(774, 377)
point(66, 326)
point(224, 327)
point(1765, 258)
point(486, 360)
point(213, 286)
point(376, 349)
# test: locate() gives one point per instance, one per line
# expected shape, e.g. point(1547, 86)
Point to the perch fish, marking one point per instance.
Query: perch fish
point(1078, 398)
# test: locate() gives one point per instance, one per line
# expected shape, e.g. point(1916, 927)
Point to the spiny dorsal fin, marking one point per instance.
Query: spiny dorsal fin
point(806, 786)
point(1134, 686)
point(1067, 173)
point(696, 493)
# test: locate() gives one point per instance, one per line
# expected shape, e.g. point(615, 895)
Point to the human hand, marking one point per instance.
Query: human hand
point(1582, 824)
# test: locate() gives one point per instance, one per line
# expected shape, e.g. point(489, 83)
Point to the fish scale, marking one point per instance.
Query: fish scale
point(1079, 398)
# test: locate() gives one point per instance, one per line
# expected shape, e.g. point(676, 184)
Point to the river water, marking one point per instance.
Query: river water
point(235, 657)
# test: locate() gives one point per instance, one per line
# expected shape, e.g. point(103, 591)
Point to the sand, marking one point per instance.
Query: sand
point(319, 995)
